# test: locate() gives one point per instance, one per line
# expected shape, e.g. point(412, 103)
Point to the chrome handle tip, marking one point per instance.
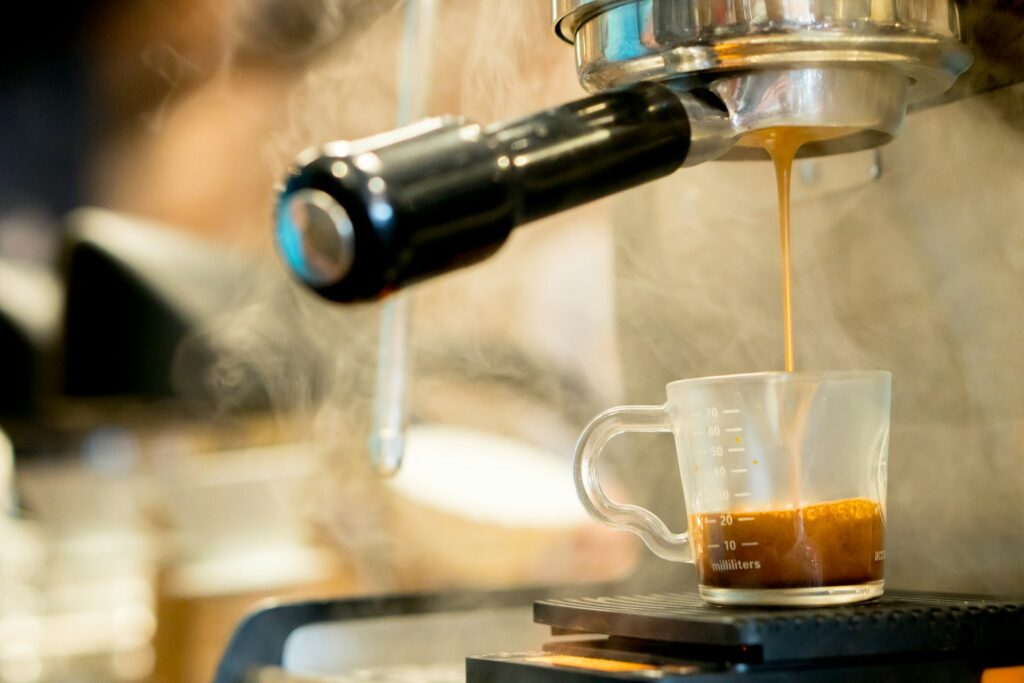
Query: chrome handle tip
point(315, 237)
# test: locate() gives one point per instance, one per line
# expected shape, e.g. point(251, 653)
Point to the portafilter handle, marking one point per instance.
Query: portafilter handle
point(356, 220)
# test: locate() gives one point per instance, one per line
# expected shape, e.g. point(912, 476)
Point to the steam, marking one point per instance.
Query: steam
point(495, 351)
point(173, 69)
point(295, 31)
point(917, 272)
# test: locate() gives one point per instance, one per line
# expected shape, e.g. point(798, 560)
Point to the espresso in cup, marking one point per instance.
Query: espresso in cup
point(784, 483)
point(839, 543)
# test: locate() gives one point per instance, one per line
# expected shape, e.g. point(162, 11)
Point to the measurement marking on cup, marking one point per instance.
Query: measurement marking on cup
point(739, 470)
point(745, 519)
point(742, 495)
point(741, 449)
point(713, 545)
point(749, 544)
point(731, 411)
point(734, 429)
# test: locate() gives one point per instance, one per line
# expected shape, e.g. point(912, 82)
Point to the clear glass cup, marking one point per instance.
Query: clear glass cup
point(784, 482)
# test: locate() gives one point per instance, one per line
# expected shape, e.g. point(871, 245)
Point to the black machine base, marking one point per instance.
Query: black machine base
point(902, 636)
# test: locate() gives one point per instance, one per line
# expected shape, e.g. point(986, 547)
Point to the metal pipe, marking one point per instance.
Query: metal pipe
point(391, 402)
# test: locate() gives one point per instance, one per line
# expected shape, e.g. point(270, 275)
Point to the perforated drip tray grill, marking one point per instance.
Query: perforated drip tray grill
point(897, 623)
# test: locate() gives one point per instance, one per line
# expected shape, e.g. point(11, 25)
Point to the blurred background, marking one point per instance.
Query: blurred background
point(186, 429)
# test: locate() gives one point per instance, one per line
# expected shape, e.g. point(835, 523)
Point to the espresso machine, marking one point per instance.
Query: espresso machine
point(674, 84)
point(677, 84)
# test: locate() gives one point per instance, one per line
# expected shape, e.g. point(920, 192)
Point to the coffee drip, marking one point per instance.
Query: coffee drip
point(782, 144)
point(826, 544)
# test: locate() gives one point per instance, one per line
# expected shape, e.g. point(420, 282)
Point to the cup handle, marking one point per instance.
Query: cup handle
point(640, 521)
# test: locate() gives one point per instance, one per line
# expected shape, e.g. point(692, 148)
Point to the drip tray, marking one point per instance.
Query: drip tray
point(898, 623)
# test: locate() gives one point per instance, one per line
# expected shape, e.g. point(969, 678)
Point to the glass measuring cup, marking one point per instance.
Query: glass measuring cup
point(784, 481)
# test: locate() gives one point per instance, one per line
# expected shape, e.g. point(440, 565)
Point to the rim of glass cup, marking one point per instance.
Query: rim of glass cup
point(783, 376)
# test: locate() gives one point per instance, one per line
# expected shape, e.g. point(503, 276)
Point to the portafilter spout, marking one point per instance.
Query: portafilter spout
point(677, 83)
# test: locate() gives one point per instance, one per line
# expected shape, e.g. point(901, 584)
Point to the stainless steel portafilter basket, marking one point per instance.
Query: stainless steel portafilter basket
point(825, 63)
point(674, 82)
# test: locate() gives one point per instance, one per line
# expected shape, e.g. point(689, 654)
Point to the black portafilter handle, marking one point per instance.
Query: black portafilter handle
point(356, 220)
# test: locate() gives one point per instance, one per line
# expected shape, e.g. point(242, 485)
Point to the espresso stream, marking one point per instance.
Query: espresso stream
point(836, 543)
point(782, 144)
